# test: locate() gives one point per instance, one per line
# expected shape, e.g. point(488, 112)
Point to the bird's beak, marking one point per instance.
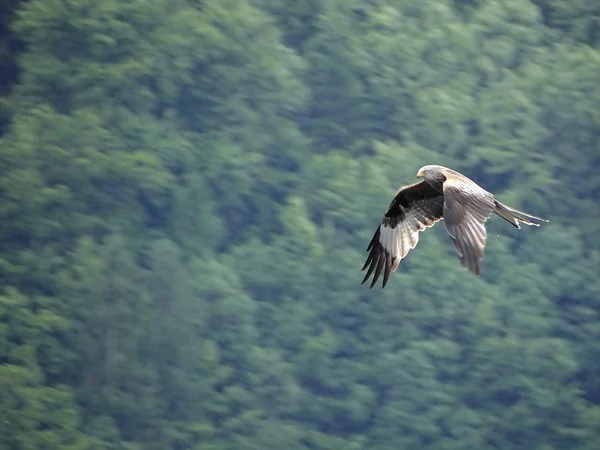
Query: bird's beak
point(420, 174)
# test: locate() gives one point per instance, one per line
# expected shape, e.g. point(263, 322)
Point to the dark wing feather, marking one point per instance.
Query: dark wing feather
point(414, 208)
point(466, 208)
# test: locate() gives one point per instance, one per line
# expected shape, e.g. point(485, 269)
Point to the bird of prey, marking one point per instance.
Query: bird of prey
point(442, 194)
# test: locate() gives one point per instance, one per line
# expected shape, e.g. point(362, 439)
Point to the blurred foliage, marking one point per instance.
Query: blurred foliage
point(187, 189)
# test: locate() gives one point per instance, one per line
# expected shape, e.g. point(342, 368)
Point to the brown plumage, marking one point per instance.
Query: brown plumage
point(443, 194)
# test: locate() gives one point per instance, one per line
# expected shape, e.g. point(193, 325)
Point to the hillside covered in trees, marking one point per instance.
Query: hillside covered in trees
point(187, 190)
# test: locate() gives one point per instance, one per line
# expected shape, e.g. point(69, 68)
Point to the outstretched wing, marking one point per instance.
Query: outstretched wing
point(414, 208)
point(466, 208)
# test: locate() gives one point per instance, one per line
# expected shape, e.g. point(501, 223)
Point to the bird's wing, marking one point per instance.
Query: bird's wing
point(466, 208)
point(414, 208)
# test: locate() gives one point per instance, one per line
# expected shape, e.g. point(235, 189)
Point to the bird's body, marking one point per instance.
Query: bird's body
point(443, 194)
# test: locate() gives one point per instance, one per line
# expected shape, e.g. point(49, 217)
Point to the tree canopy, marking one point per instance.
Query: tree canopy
point(187, 190)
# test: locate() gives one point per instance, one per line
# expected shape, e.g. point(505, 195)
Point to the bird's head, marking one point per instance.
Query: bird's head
point(434, 175)
point(426, 171)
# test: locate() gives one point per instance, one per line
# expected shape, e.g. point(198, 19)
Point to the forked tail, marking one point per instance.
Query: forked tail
point(513, 216)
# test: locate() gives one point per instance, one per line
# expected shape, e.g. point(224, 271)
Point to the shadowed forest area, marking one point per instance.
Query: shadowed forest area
point(187, 190)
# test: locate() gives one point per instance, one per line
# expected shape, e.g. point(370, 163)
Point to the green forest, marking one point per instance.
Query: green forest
point(188, 188)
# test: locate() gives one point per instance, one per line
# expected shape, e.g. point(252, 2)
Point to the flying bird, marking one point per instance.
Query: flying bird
point(442, 194)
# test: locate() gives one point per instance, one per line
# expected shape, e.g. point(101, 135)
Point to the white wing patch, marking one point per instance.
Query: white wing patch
point(398, 241)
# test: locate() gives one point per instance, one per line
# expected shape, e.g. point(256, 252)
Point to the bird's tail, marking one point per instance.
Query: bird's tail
point(513, 216)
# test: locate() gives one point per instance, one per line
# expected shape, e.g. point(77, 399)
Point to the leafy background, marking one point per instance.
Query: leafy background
point(187, 188)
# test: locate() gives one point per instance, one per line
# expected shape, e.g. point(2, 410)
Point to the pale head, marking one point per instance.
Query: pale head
point(428, 171)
